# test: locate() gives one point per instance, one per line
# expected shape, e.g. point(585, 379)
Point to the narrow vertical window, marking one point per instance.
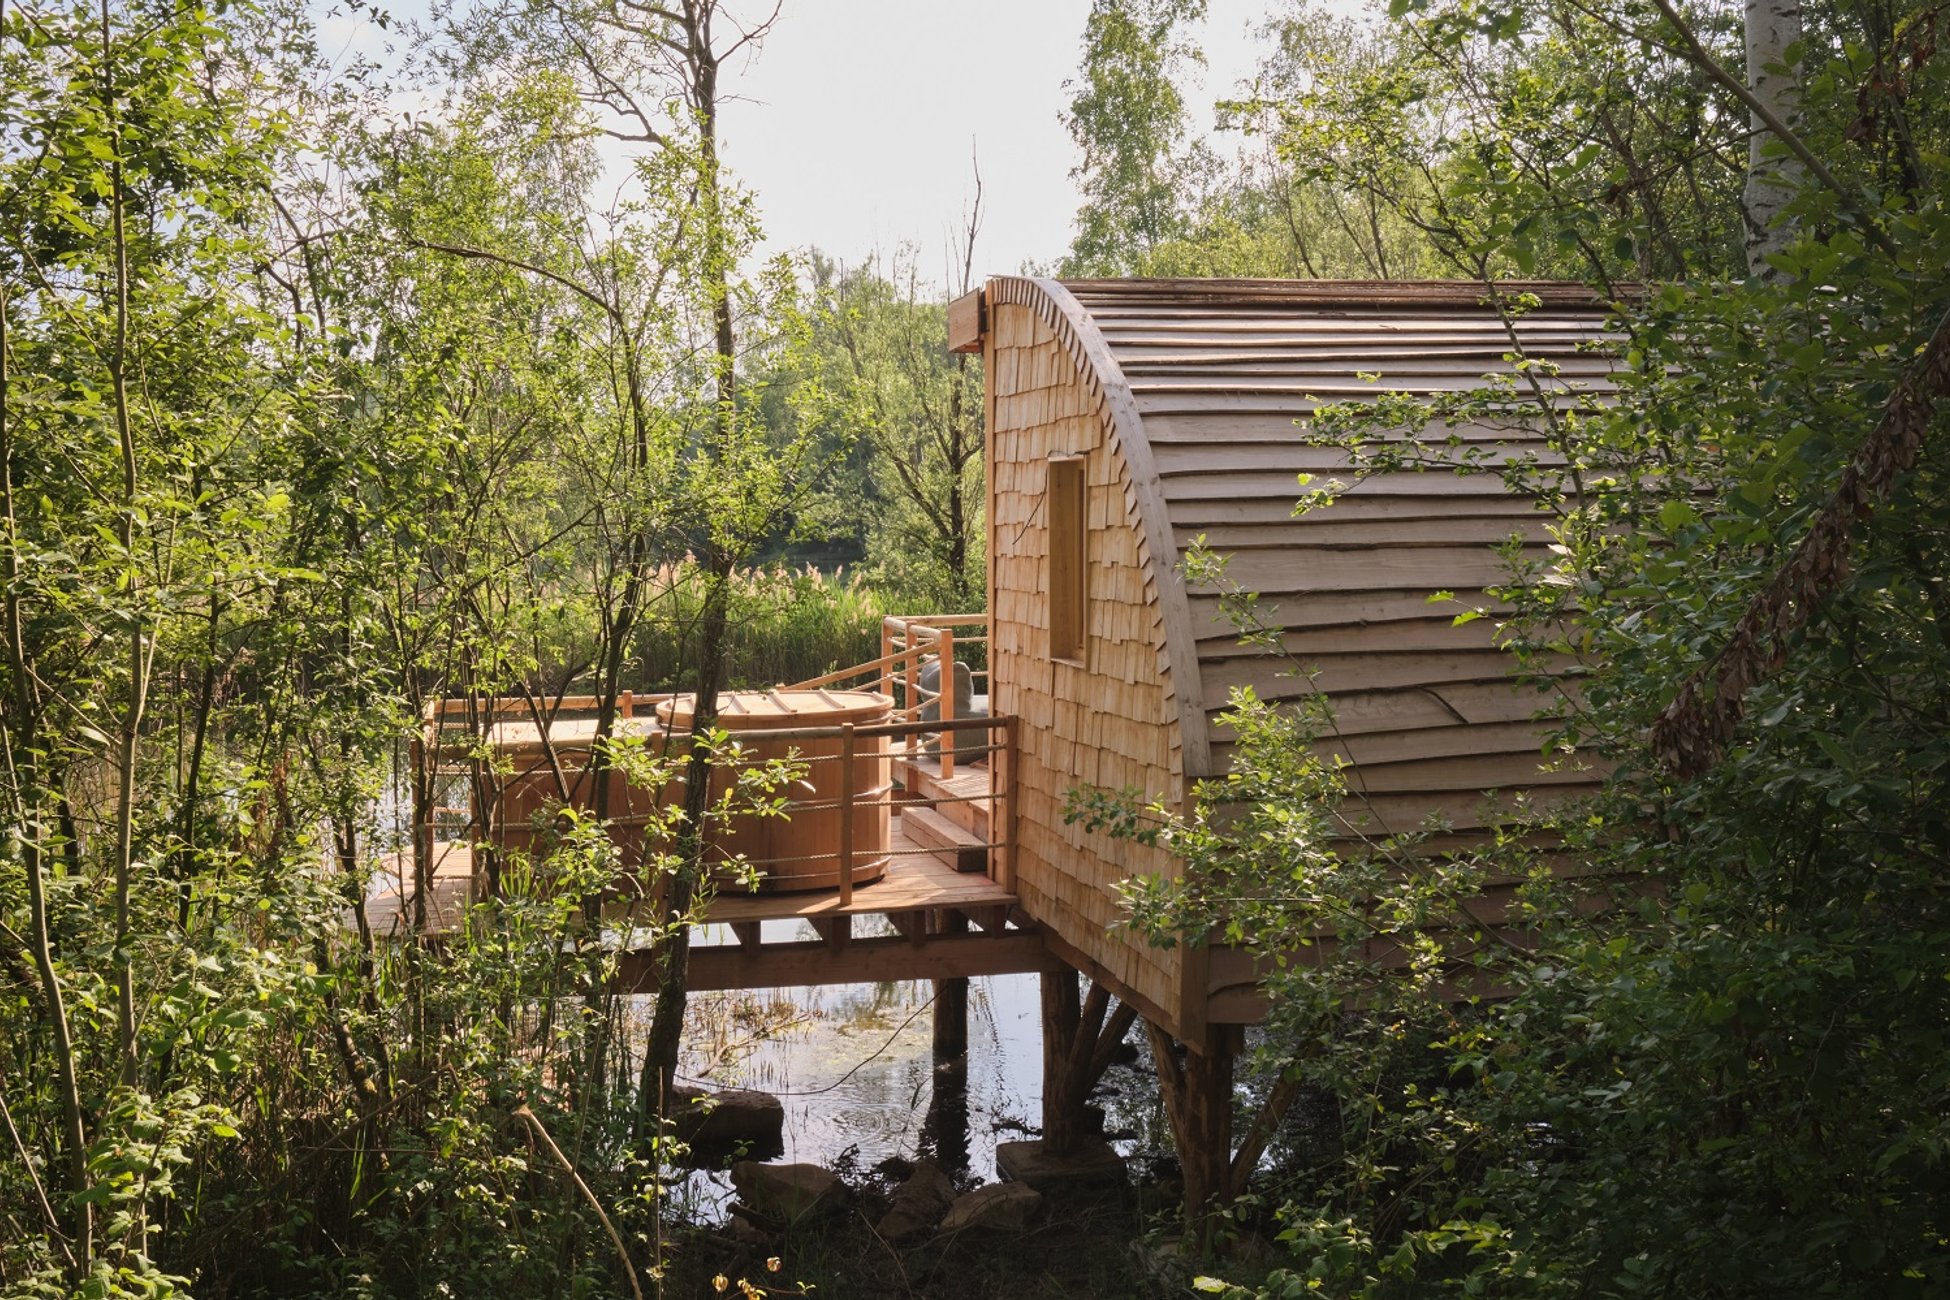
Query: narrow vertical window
point(1068, 584)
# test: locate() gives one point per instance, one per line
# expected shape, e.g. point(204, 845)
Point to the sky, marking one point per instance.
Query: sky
point(860, 121)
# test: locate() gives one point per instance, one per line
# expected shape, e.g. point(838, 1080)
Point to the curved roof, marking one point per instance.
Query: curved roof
point(1203, 382)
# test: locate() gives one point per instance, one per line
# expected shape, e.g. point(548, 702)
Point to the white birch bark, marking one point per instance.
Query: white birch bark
point(1772, 28)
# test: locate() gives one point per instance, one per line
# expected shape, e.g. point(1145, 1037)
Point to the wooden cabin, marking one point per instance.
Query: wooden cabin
point(1126, 419)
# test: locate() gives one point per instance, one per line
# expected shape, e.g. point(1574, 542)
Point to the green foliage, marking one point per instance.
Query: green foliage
point(1717, 1066)
point(914, 490)
point(308, 420)
point(786, 625)
point(1128, 118)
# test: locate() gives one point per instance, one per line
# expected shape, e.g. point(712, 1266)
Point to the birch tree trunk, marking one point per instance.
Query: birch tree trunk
point(1773, 28)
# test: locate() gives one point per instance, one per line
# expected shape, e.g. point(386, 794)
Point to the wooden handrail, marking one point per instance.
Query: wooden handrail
point(626, 701)
point(857, 670)
point(936, 620)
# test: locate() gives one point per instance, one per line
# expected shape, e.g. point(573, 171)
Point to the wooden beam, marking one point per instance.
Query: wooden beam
point(747, 933)
point(864, 961)
point(951, 1001)
point(1171, 1079)
point(834, 931)
point(1120, 1024)
point(1084, 962)
point(1083, 1045)
point(992, 919)
point(968, 321)
point(1266, 1123)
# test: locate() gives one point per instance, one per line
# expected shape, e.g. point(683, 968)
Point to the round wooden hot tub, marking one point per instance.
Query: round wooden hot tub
point(801, 852)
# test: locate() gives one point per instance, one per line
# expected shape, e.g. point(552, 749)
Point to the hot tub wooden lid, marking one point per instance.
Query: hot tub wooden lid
point(776, 709)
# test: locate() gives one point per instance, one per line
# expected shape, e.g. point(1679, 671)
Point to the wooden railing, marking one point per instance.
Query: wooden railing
point(998, 751)
point(907, 644)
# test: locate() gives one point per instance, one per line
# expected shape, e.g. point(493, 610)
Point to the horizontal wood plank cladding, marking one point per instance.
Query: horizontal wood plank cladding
point(1463, 812)
point(1469, 772)
point(1421, 569)
point(1246, 485)
point(1354, 349)
point(1349, 510)
point(1454, 740)
point(1285, 460)
point(1318, 532)
point(1300, 294)
point(1158, 338)
point(1467, 704)
point(1307, 645)
point(1375, 669)
point(1286, 426)
point(1235, 318)
point(1319, 609)
point(1412, 372)
point(1299, 399)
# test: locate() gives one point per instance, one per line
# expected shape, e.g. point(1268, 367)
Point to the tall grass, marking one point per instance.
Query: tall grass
point(787, 625)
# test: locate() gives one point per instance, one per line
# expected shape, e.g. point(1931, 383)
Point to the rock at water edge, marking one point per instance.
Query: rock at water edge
point(721, 1121)
point(919, 1203)
point(998, 1207)
point(788, 1192)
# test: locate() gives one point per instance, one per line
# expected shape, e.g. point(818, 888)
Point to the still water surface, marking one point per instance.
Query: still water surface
point(853, 1066)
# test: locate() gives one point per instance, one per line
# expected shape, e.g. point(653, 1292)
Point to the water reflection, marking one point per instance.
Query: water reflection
point(853, 1065)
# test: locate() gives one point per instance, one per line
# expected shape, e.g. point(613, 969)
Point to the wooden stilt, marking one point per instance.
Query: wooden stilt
point(1265, 1124)
point(1080, 1036)
point(1197, 1087)
point(1061, 1011)
point(951, 1003)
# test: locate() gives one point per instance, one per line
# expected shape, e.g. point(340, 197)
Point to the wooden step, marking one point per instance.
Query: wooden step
point(964, 807)
point(949, 841)
point(972, 815)
point(963, 797)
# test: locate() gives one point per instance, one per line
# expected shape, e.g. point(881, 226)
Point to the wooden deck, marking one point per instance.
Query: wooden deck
point(916, 881)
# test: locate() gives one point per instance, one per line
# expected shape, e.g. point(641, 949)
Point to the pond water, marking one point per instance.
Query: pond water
point(854, 1068)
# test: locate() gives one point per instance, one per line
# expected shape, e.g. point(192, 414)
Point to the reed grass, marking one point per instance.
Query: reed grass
point(787, 624)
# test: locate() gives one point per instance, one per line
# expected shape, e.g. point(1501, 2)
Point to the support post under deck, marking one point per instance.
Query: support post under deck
point(951, 1003)
point(1197, 1082)
point(1062, 1118)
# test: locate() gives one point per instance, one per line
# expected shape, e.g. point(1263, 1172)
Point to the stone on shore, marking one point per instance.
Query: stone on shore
point(723, 1122)
point(997, 1207)
point(919, 1202)
point(788, 1193)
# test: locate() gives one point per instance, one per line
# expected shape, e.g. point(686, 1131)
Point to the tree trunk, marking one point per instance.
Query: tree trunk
point(118, 360)
point(23, 769)
point(1773, 29)
point(667, 1022)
